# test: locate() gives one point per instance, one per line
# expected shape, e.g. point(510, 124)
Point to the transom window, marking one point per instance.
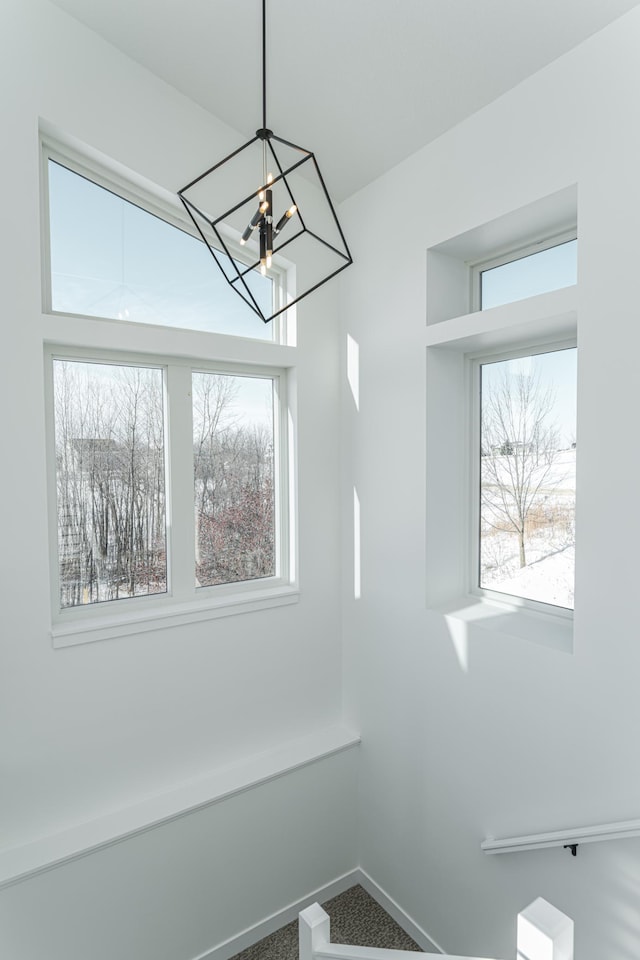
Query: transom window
point(170, 486)
point(111, 258)
point(538, 268)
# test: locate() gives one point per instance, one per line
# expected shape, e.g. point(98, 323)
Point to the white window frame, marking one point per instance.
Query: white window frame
point(82, 337)
point(474, 362)
point(511, 255)
point(159, 204)
point(127, 615)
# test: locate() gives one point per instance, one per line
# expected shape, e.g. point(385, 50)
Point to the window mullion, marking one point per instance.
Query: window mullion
point(180, 468)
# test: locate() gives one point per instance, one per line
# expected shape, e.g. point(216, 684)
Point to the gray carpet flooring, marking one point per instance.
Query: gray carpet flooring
point(356, 919)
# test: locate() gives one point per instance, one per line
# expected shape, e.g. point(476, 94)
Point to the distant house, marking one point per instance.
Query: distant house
point(510, 447)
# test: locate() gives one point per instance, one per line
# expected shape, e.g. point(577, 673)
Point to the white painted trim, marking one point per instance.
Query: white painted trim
point(509, 619)
point(521, 252)
point(170, 614)
point(126, 184)
point(277, 920)
point(339, 951)
point(543, 318)
point(344, 951)
point(147, 339)
point(44, 853)
point(544, 931)
point(548, 320)
point(415, 931)
point(517, 603)
point(450, 263)
point(558, 838)
point(183, 603)
point(315, 937)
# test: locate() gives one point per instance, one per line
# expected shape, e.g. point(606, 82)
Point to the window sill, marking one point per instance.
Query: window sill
point(546, 316)
point(508, 620)
point(171, 613)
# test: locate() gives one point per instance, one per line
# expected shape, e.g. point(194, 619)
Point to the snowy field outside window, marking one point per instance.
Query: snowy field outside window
point(528, 477)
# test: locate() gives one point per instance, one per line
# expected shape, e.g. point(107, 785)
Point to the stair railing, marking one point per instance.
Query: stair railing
point(543, 933)
point(620, 830)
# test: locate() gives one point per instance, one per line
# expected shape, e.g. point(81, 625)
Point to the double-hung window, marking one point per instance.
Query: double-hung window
point(170, 482)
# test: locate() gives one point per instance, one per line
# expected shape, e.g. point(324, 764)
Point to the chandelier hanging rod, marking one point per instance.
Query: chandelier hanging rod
point(264, 64)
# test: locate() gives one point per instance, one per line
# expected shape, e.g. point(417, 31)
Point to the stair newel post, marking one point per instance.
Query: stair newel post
point(314, 931)
point(544, 933)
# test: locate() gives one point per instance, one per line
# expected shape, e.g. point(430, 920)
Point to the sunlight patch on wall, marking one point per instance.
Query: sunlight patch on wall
point(458, 631)
point(357, 585)
point(353, 369)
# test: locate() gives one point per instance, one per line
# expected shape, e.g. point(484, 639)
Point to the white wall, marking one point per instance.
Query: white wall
point(182, 890)
point(89, 729)
point(528, 738)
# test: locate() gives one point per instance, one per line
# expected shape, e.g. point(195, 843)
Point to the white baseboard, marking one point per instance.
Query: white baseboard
point(265, 927)
point(229, 948)
point(416, 932)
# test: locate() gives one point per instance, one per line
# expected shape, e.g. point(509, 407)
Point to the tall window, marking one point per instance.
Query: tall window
point(169, 476)
point(527, 476)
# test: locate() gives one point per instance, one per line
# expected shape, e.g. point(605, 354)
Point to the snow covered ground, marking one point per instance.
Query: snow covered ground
point(549, 580)
point(548, 575)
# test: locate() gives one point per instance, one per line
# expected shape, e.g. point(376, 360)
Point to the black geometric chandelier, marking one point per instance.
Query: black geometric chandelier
point(285, 210)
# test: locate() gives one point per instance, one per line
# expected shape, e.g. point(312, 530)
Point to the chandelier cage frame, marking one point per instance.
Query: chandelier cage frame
point(236, 272)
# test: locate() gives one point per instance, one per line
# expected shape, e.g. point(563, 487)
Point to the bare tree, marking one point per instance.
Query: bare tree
point(110, 482)
point(519, 441)
point(110, 448)
point(234, 490)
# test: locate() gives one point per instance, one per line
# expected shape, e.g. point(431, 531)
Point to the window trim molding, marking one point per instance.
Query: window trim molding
point(544, 319)
point(180, 604)
point(173, 614)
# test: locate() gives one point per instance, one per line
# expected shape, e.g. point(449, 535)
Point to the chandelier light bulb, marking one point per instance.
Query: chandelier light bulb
point(284, 219)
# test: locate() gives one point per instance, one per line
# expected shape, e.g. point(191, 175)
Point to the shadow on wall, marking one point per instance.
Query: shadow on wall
point(466, 615)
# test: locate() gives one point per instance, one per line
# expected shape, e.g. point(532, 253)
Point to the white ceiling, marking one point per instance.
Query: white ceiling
point(362, 83)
